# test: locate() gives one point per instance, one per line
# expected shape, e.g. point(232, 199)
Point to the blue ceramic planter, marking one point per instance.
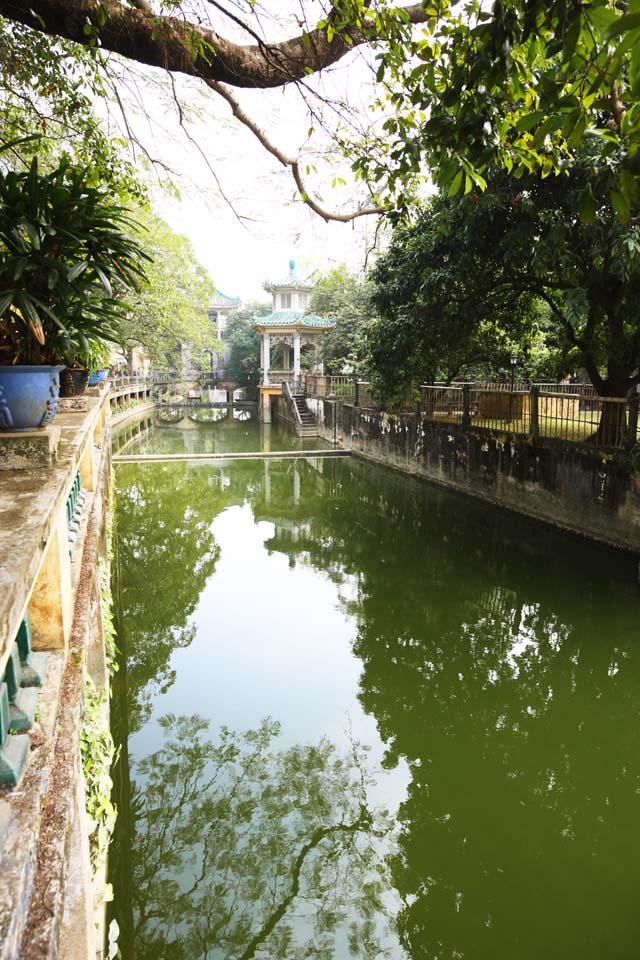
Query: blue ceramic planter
point(28, 396)
point(99, 377)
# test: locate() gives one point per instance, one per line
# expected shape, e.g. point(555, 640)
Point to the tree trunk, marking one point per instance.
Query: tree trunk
point(612, 429)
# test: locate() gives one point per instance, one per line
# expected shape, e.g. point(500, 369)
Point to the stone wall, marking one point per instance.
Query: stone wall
point(572, 486)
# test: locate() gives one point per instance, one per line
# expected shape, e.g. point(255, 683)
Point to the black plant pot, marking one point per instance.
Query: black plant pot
point(73, 381)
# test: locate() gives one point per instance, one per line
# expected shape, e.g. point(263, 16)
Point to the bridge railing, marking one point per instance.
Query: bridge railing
point(131, 381)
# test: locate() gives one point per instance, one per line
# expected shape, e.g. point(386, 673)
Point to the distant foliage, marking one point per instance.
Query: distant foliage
point(244, 342)
point(170, 311)
point(345, 298)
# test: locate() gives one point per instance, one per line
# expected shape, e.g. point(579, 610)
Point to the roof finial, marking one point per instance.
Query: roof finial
point(292, 265)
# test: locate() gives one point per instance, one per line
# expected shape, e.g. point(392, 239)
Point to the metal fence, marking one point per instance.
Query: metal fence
point(536, 412)
point(321, 385)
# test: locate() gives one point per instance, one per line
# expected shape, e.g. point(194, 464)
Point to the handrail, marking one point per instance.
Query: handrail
point(286, 393)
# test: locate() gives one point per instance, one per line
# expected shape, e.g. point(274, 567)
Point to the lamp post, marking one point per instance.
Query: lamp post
point(513, 359)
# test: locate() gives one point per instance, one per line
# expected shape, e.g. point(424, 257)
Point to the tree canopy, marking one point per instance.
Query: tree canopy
point(171, 309)
point(345, 298)
point(516, 87)
point(49, 89)
point(243, 364)
point(476, 276)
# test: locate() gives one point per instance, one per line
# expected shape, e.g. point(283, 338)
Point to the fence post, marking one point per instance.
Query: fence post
point(632, 427)
point(466, 406)
point(534, 411)
point(356, 393)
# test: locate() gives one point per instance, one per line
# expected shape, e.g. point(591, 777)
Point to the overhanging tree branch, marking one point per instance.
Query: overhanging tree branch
point(134, 32)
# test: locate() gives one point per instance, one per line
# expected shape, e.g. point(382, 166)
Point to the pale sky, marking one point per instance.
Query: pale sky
point(251, 235)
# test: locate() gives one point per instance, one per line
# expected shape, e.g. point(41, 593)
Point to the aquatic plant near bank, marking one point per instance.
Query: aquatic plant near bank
point(98, 754)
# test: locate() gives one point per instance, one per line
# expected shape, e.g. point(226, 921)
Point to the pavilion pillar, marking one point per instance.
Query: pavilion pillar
point(266, 358)
point(296, 355)
point(265, 401)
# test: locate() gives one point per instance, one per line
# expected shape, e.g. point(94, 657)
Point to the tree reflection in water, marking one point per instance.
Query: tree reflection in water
point(500, 661)
point(242, 850)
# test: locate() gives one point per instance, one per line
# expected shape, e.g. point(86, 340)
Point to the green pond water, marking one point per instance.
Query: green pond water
point(360, 716)
point(217, 430)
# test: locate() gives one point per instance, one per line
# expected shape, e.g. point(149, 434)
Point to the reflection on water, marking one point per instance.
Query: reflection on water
point(488, 668)
point(210, 430)
point(242, 850)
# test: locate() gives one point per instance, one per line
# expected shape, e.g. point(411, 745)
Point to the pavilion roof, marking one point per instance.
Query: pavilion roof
point(291, 282)
point(294, 318)
point(220, 299)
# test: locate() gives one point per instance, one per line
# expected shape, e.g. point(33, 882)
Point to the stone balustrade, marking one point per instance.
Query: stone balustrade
point(54, 490)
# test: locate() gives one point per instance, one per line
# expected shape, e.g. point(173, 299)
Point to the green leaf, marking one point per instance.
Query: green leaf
point(587, 206)
point(456, 183)
point(621, 206)
point(628, 186)
point(630, 21)
point(529, 120)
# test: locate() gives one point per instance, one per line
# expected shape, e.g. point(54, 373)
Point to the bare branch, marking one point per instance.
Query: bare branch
point(290, 163)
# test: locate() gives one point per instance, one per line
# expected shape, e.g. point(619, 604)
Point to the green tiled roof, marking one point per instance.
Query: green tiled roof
point(293, 318)
point(220, 299)
point(291, 282)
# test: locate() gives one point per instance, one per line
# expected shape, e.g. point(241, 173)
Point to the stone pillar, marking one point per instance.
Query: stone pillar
point(51, 604)
point(87, 467)
point(266, 360)
point(285, 356)
point(296, 355)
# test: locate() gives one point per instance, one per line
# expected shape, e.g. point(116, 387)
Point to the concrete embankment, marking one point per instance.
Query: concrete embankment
point(576, 487)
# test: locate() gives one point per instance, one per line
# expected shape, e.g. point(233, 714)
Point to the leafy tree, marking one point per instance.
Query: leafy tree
point(171, 309)
point(49, 87)
point(461, 284)
point(518, 88)
point(346, 299)
point(243, 364)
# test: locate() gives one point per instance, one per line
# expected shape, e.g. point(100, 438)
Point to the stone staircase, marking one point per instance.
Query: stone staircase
point(307, 427)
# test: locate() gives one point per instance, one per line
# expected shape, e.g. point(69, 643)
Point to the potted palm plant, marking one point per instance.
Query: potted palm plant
point(66, 257)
